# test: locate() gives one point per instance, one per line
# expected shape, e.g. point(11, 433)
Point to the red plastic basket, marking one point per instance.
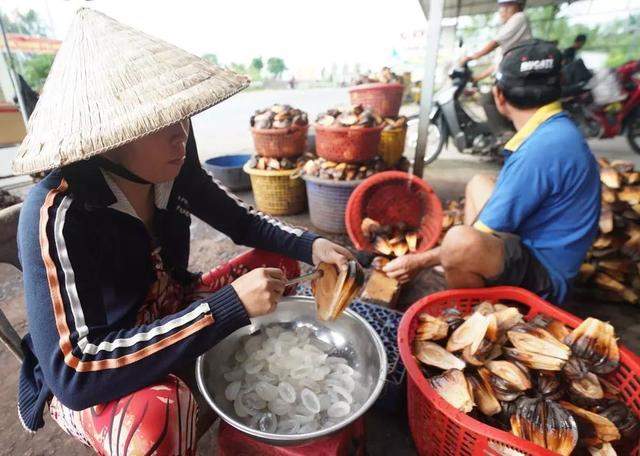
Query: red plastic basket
point(280, 143)
point(385, 99)
point(392, 197)
point(347, 144)
point(440, 429)
point(226, 273)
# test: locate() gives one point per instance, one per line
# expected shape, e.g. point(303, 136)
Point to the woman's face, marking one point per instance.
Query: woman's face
point(157, 157)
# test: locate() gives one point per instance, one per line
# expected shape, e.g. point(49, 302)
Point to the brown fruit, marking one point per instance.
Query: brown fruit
point(595, 342)
point(431, 328)
point(433, 354)
point(453, 387)
point(335, 289)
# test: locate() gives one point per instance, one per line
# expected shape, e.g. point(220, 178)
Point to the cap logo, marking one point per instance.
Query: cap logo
point(534, 65)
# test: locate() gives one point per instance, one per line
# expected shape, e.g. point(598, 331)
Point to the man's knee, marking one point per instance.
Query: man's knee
point(459, 244)
point(480, 182)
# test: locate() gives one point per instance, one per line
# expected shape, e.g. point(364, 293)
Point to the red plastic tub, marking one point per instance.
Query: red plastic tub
point(385, 99)
point(280, 142)
point(392, 197)
point(347, 144)
point(440, 429)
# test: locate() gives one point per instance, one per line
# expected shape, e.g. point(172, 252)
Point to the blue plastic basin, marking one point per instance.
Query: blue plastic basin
point(228, 170)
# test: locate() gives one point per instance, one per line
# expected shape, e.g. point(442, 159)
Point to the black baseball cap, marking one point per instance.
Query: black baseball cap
point(531, 72)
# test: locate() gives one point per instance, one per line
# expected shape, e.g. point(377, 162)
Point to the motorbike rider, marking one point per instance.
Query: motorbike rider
point(533, 226)
point(515, 29)
point(569, 54)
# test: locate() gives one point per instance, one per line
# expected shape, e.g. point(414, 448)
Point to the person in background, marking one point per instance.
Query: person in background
point(533, 226)
point(116, 321)
point(569, 54)
point(515, 29)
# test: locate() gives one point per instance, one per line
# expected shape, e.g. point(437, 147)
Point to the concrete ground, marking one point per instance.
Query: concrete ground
point(448, 175)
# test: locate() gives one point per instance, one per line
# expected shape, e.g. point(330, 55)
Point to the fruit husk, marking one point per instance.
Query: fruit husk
point(508, 318)
point(534, 360)
point(515, 377)
point(611, 178)
point(533, 339)
point(452, 386)
point(335, 289)
point(605, 430)
point(575, 368)
point(602, 450)
point(606, 219)
point(431, 328)
point(369, 227)
point(587, 270)
point(594, 341)
point(630, 195)
point(586, 391)
point(412, 240)
point(381, 245)
point(432, 354)
point(561, 430)
point(470, 333)
point(528, 421)
point(622, 417)
point(483, 395)
point(549, 385)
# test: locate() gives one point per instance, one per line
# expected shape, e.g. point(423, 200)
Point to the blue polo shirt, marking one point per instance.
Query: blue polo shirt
point(548, 193)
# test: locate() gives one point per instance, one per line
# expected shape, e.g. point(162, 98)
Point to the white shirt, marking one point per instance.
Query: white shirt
point(513, 32)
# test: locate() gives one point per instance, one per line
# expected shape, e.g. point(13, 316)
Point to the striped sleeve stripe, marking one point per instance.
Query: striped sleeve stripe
point(196, 319)
point(283, 226)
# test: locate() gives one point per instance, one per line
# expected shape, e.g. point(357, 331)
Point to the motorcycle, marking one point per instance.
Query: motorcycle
point(450, 118)
point(621, 117)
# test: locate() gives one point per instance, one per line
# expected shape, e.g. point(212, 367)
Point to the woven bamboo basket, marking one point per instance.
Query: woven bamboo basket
point(391, 145)
point(277, 192)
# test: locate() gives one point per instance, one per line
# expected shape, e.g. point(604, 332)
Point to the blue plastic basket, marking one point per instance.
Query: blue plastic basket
point(228, 170)
point(385, 322)
point(328, 201)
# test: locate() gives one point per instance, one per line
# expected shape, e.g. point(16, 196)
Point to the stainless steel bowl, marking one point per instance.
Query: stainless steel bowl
point(351, 336)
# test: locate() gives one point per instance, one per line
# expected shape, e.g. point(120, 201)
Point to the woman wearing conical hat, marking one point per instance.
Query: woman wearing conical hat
point(104, 242)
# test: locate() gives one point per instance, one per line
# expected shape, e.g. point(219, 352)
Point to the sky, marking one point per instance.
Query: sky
point(305, 33)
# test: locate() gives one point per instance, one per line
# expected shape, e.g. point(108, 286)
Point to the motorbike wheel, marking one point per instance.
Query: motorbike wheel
point(437, 137)
point(633, 133)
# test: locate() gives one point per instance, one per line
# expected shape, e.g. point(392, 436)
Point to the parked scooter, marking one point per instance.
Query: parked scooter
point(611, 119)
point(450, 119)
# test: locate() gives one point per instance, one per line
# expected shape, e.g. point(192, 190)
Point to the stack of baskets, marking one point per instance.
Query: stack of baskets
point(275, 136)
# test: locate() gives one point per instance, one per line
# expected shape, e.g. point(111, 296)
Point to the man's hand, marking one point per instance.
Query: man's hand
point(325, 251)
point(260, 289)
point(464, 60)
point(406, 267)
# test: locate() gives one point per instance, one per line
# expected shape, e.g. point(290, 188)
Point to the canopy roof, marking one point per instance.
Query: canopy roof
point(454, 8)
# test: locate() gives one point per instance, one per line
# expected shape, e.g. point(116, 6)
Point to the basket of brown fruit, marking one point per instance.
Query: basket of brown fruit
point(277, 187)
point(348, 135)
point(279, 131)
point(381, 93)
point(499, 371)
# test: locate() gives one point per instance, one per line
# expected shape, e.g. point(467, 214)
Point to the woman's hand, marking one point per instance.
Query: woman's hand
point(260, 289)
point(325, 251)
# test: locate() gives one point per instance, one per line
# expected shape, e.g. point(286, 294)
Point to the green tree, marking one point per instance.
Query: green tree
point(27, 23)
point(211, 58)
point(276, 66)
point(36, 70)
point(255, 68)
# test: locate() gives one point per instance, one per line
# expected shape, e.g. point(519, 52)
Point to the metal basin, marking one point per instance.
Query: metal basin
point(350, 335)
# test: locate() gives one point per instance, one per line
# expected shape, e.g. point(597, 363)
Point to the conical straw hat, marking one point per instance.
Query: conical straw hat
point(111, 84)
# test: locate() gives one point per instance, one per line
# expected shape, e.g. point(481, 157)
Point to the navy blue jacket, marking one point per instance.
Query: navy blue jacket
point(86, 260)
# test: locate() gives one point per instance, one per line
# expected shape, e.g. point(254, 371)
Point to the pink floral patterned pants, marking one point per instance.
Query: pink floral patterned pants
point(159, 419)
